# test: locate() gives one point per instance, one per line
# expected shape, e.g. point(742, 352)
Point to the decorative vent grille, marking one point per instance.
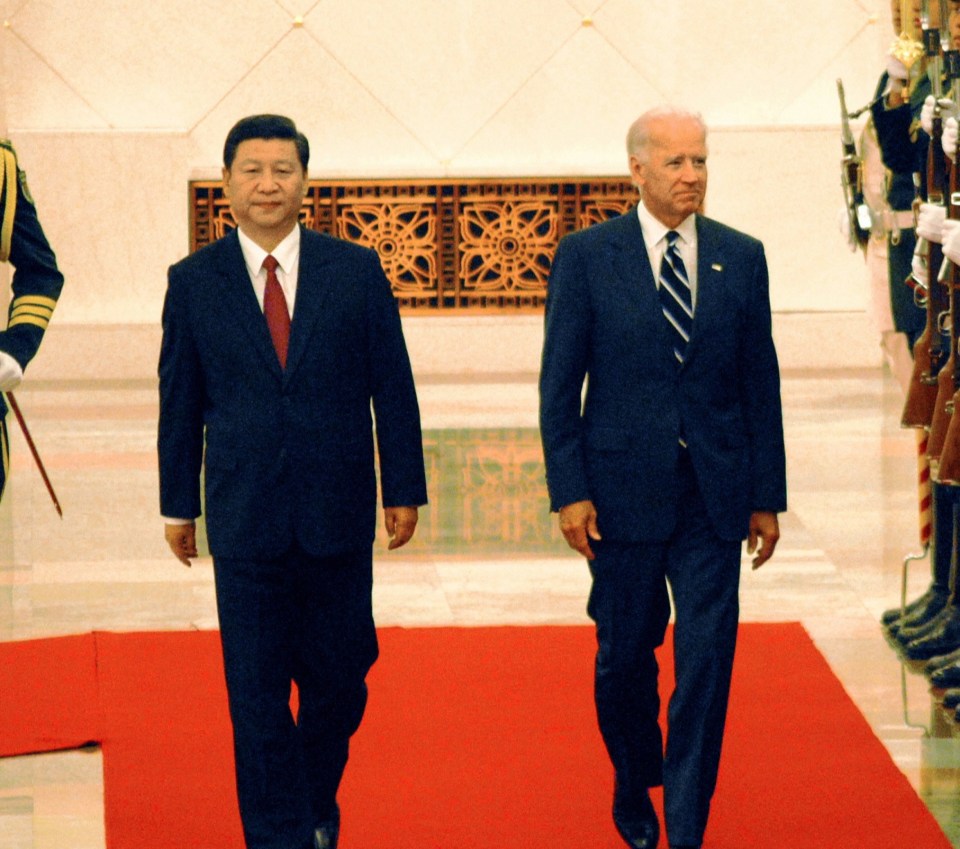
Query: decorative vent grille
point(446, 244)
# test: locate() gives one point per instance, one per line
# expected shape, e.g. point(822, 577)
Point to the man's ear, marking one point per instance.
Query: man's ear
point(636, 170)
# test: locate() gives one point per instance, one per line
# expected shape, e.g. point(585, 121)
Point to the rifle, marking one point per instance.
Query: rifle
point(940, 290)
point(928, 351)
point(948, 470)
point(858, 213)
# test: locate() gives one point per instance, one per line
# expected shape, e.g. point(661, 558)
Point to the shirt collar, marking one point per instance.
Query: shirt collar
point(287, 253)
point(654, 230)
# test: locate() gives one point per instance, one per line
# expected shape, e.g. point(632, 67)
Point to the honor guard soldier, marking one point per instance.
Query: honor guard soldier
point(36, 282)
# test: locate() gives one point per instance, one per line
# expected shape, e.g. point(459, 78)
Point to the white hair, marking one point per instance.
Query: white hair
point(638, 136)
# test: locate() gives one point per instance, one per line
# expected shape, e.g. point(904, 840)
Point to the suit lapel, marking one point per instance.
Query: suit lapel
point(631, 261)
point(313, 286)
point(632, 264)
point(711, 269)
point(241, 300)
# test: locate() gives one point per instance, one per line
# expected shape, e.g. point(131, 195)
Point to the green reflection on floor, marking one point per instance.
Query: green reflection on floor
point(487, 495)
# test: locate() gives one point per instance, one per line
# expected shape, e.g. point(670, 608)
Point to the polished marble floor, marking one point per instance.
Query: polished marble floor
point(487, 552)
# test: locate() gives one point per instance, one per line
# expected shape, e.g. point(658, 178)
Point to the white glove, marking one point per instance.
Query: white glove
point(843, 223)
point(10, 372)
point(926, 115)
point(951, 241)
point(919, 271)
point(930, 222)
point(896, 70)
point(949, 139)
point(948, 109)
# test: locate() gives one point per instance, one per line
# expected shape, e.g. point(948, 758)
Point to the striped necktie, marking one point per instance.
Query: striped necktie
point(675, 296)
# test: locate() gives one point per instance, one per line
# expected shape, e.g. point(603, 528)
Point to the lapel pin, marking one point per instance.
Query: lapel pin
point(717, 267)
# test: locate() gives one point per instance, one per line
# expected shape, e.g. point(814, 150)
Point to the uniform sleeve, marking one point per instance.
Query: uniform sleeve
point(37, 281)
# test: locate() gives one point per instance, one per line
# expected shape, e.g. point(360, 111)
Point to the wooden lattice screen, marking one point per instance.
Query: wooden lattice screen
point(446, 244)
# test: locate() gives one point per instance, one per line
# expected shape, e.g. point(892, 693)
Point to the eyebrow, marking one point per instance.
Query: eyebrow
point(252, 161)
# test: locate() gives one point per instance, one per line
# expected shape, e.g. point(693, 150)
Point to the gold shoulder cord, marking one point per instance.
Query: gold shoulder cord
point(8, 180)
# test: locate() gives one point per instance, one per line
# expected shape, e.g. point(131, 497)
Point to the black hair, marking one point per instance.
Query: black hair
point(265, 127)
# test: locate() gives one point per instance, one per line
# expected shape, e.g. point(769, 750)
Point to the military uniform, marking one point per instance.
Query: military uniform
point(36, 281)
point(903, 148)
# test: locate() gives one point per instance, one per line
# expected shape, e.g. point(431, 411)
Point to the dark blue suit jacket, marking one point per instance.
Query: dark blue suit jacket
point(289, 454)
point(604, 324)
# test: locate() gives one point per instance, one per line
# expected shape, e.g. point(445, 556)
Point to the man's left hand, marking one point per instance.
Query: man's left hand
point(401, 522)
point(765, 529)
point(10, 372)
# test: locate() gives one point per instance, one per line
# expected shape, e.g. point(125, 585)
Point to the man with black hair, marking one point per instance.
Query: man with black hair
point(277, 341)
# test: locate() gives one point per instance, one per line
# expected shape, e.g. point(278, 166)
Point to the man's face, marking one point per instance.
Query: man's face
point(266, 185)
point(672, 177)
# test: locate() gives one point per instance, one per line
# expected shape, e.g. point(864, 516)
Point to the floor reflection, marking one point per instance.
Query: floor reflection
point(487, 551)
point(487, 494)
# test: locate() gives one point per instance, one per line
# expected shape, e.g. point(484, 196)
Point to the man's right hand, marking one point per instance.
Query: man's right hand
point(951, 240)
point(949, 139)
point(578, 524)
point(182, 540)
point(930, 222)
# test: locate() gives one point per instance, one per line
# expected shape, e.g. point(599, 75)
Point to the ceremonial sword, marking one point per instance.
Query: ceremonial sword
point(33, 450)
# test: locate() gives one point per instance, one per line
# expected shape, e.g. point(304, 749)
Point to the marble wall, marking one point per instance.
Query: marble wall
point(115, 104)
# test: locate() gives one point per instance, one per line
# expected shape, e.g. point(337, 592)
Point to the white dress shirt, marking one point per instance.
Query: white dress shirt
point(655, 239)
point(287, 255)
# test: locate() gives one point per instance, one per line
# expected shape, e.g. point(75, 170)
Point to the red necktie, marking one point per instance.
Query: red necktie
point(275, 310)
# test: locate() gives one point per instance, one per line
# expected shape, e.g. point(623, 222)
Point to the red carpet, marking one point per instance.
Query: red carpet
point(473, 738)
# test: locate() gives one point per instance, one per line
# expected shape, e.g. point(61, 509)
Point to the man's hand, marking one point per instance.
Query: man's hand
point(949, 139)
point(930, 222)
point(182, 540)
point(951, 240)
point(10, 372)
point(401, 522)
point(578, 524)
point(764, 528)
point(947, 110)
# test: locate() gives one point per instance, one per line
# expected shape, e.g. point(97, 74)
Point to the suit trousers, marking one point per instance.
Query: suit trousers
point(630, 603)
point(294, 619)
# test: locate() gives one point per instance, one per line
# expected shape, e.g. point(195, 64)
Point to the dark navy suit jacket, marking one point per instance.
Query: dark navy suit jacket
point(604, 324)
point(289, 454)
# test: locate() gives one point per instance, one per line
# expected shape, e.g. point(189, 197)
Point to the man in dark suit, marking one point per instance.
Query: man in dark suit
point(278, 412)
point(673, 457)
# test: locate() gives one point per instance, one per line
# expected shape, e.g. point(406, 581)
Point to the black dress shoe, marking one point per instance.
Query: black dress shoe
point(327, 833)
point(946, 676)
point(941, 661)
point(911, 629)
point(941, 640)
point(934, 598)
point(636, 821)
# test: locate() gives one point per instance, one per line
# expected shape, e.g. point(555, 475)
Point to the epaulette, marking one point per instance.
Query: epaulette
point(6, 143)
point(8, 197)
